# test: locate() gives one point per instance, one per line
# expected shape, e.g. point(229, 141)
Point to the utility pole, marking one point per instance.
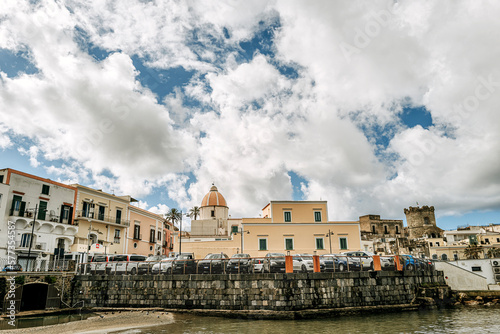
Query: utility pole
point(330, 239)
point(242, 239)
point(180, 236)
point(31, 237)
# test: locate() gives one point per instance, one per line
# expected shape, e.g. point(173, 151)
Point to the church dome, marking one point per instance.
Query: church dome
point(213, 198)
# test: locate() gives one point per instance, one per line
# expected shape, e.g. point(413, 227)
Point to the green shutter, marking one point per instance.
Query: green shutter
point(343, 243)
point(22, 208)
point(234, 229)
point(289, 244)
point(262, 244)
point(42, 208)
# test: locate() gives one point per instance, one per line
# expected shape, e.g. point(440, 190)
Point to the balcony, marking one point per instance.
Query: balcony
point(94, 216)
point(35, 247)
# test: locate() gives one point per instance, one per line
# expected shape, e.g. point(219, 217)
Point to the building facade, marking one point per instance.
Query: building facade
point(148, 233)
point(283, 227)
point(103, 220)
point(42, 212)
point(214, 215)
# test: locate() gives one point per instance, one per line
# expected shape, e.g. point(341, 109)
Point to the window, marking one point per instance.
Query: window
point(288, 216)
point(317, 216)
point(118, 216)
point(25, 240)
point(430, 244)
point(288, 243)
point(434, 256)
point(152, 235)
point(437, 244)
point(45, 189)
point(487, 240)
point(1, 178)
point(88, 209)
point(397, 229)
point(101, 212)
point(117, 236)
point(320, 244)
point(137, 231)
point(476, 268)
point(426, 220)
point(212, 213)
point(234, 229)
point(386, 230)
point(262, 244)
point(159, 236)
point(498, 239)
point(343, 243)
point(65, 214)
point(444, 257)
point(374, 231)
point(135, 244)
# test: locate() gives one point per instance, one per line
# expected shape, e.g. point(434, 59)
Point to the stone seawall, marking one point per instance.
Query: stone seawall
point(274, 292)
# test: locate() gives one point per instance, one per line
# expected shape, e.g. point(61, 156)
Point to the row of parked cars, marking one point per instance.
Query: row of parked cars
point(220, 263)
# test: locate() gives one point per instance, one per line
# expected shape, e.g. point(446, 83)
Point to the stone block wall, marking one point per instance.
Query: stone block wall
point(277, 292)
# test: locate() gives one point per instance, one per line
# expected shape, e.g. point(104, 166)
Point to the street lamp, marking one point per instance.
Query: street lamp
point(329, 234)
point(89, 215)
point(242, 232)
point(31, 237)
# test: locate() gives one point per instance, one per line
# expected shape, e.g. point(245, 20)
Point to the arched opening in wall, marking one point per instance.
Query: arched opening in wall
point(39, 296)
point(426, 221)
point(444, 257)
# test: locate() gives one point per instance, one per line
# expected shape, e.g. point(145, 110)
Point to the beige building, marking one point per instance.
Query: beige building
point(148, 233)
point(103, 220)
point(284, 226)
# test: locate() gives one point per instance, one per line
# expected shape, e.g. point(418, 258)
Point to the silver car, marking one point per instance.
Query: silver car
point(164, 266)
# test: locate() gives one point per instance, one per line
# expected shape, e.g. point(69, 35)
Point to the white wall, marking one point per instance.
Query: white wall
point(461, 279)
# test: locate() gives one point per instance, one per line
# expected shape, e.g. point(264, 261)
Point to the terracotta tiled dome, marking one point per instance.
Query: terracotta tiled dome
point(213, 198)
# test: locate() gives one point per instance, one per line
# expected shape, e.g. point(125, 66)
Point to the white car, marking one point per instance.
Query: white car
point(303, 263)
point(164, 266)
point(366, 259)
point(124, 264)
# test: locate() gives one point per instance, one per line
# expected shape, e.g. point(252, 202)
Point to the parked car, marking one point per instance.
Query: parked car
point(164, 266)
point(305, 263)
point(13, 267)
point(334, 262)
point(274, 263)
point(239, 263)
point(412, 263)
point(98, 264)
point(184, 264)
point(145, 267)
point(258, 265)
point(124, 264)
point(213, 264)
point(366, 259)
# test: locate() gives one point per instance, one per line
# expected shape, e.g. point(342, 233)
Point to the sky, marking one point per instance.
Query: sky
point(373, 106)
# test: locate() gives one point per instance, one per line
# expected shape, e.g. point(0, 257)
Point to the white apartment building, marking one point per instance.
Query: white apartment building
point(42, 212)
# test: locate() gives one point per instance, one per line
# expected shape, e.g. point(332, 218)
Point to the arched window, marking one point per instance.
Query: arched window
point(397, 229)
point(444, 257)
point(386, 230)
point(434, 256)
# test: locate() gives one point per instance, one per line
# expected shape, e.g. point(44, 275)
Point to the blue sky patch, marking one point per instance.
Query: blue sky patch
point(413, 116)
point(161, 81)
point(16, 63)
point(296, 180)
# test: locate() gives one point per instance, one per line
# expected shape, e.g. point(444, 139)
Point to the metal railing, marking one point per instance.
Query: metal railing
point(253, 265)
point(102, 217)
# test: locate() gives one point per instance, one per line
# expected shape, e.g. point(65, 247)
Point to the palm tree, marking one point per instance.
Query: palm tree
point(473, 252)
point(174, 216)
point(493, 252)
point(194, 212)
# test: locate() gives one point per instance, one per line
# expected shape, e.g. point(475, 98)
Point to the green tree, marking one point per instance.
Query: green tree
point(473, 252)
point(493, 252)
point(194, 212)
point(174, 216)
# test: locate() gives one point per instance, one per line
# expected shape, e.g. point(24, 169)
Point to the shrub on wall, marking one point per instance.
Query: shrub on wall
point(50, 279)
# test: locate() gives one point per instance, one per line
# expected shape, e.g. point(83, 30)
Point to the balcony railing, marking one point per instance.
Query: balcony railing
point(102, 217)
point(36, 246)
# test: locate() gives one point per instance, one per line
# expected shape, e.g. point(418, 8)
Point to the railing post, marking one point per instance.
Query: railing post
point(288, 264)
point(316, 264)
point(397, 262)
point(376, 263)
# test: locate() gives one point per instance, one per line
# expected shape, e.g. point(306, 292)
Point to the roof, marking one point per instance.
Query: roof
point(213, 198)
